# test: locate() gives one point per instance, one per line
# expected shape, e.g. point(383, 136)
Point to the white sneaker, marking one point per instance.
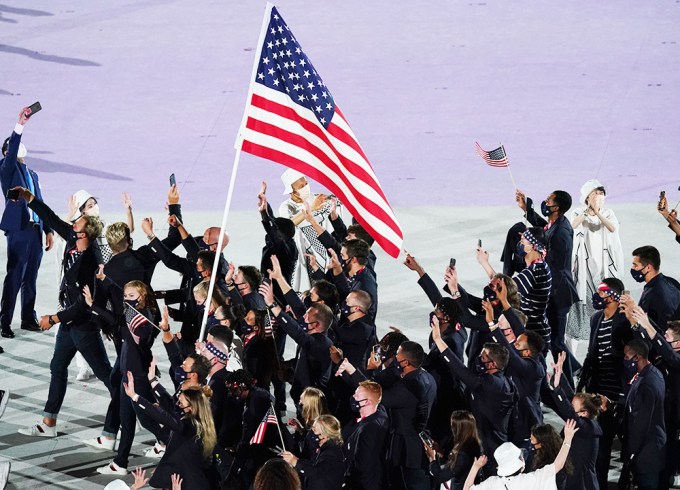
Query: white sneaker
point(84, 374)
point(4, 398)
point(4, 473)
point(156, 452)
point(39, 430)
point(112, 469)
point(103, 443)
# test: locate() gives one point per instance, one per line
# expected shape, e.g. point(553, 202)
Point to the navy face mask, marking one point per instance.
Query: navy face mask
point(599, 303)
point(314, 439)
point(180, 374)
point(356, 405)
point(307, 301)
point(639, 276)
point(521, 252)
point(132, 302)
point(345, 310)
point(545, 209)
point(630, 368)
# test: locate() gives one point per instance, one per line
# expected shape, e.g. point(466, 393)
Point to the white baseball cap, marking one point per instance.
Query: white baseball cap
point(288, 177)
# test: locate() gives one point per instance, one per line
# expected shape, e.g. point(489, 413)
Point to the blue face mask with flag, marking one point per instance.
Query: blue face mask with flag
point(521, 252)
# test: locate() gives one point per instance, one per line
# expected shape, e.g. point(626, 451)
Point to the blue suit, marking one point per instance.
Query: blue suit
point(24, 238)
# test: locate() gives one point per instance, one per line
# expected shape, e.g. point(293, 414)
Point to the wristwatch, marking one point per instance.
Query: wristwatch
point(455, 294)
point(52, 322)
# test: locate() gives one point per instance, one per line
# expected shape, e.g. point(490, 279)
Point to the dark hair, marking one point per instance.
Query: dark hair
point(674, 325)
point(614, 284)
point(498, 354)
point(286, 227)
point(648, 255)
point(465, 436)
point(639, 347)
point(240, 377)
point(449, 307)
point(201, 367)
point(551, 443)
point(327, 292)
point(357, 248)
point(534, 341)
point(276, 474)
point(391, 342)
point(413, 352)
point(233, 313)
point(324, 314)
point(207, 259)
point(358, 231)
point(591, 403)
point(510, 285)
point(563, 200)
point(252, 276)
point(223, 334)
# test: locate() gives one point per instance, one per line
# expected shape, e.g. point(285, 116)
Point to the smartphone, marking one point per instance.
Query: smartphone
point(427, 440)
point(452, 263)
point(266, 280)
point(35, 107)
point(13, 194)
point(479, 243)
point(172, 180)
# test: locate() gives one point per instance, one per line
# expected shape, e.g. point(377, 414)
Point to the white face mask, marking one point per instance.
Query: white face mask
point(304, 193)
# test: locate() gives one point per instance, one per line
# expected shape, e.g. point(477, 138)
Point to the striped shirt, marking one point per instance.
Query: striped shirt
point(534, 283)
point(609, 384)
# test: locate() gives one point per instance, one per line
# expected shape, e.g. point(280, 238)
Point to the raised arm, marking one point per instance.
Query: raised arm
point(569, 430)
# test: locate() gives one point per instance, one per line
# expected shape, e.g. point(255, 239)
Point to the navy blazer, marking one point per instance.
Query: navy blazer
point(643, 422)
point(364, 451)
point(560, 237)
point(16, 216)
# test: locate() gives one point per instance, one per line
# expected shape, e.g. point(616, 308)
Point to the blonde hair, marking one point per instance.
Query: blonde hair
point(201, 290)
point(314, 404)
point(118, 236)
point(330, 427)
point(146, 299)
point(202, 419)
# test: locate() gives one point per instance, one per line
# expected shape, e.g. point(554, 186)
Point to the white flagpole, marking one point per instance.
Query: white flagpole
point(234, 170)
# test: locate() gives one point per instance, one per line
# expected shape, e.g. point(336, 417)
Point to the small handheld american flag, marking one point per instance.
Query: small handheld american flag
point(269, 418)
point(494, 158)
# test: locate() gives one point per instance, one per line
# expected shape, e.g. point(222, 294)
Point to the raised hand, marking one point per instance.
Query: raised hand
point(87, 295)
point(521, 200)
point(140, 479)
point(267, 292)
point(173, 195)
point(129, 387)
point(275, 273)
point(127, 201)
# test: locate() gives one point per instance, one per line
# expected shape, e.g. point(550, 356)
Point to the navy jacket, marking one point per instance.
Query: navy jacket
point(16, 216)
point(661, 300)
point(364, 451)
point(643, 422)
point(560, 237)
point(325, 471)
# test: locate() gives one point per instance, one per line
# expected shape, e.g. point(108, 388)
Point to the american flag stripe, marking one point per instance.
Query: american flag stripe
point(292, 119)
point(343, 159)
point(137, 321)
point(269, 418)
point(495, 158)
point(270, 135)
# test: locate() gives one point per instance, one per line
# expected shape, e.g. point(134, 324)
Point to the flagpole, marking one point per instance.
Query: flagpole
point(278, 426)
point(149, 321)
point(508, 167)
point(220, 242)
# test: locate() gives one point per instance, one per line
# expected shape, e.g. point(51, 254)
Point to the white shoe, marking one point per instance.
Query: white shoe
point(4, 473)
point(4, 398)
point(103, 443)
point(156, 452)
point(84, 374)
point(112, 469)
point(39, 430)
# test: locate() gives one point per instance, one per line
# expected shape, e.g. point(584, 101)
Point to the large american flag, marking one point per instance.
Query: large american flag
point(495, 158)
point(292, 119)
point(270, 418)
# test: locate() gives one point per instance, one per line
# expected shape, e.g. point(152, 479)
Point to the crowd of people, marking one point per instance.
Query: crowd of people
point(371, 411)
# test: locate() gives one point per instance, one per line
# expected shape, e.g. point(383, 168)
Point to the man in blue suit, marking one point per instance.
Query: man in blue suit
point(23, 229)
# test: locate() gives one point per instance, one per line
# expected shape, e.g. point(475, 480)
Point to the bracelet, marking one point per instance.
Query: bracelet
point(566, 444)
point(492, 324)
point(153, 380)
point(269, 307)
point(230, 284)
point(151, 236)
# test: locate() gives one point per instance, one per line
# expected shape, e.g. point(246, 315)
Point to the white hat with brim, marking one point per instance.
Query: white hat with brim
point(508, 458)
point(288, 178)
point(589, 187)
point(22, 151)
point(117, 485)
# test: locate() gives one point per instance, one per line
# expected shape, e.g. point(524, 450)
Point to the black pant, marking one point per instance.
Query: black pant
point(557, 319)
point(610, 425)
